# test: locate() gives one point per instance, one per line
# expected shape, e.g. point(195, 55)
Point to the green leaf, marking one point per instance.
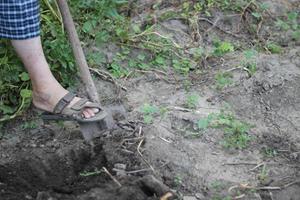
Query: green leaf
point(6, 109)
point(101, 37)
point(274, 48)
point(136, 28)
point(292, 16)
point(25, 93)
point(88, 26)
point(256, 15)
point(141, 57)
point(203, 123)
point(24, 76)
point(249, 54)
point(296, 35)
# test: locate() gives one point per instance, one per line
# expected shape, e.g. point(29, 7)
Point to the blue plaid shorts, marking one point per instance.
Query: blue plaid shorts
point(19, 19)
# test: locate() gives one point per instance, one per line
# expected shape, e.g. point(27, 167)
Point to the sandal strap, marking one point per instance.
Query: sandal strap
point(80, 105)
point(63, 102)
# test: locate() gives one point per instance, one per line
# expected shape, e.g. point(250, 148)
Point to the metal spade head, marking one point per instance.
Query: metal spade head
point(92, 130)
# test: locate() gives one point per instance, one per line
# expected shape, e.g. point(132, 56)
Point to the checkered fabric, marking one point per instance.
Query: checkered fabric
point(19, 19)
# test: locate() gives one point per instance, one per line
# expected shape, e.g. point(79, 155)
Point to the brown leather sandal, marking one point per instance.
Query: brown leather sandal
point(74, 113)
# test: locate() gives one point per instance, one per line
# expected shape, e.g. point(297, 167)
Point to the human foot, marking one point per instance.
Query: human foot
point(48, 100)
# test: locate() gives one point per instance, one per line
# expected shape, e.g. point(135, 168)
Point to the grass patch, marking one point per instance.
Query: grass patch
point(148, 112)
point(223, 80)
point(235, 131)
point(191, 101)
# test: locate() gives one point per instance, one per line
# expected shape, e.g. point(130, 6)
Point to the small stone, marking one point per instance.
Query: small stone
point(199, 196)
point(28, 197)
point(120, 166)
point(189, 198)
point(33, 145)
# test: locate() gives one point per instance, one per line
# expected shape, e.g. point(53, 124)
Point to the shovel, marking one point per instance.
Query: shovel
point(89, 130)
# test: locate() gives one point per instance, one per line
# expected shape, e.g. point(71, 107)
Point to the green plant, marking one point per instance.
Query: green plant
point(235, 131)
point(290, 22)
point(192, 101)
point(148, 112)
point(249, 61)
point(296, 35)
point(263, 175)
point(269, 152)
point(223, 80)
point(91, 173)
point(221, 48)
point(217, 185)
point(182, 66)
point(205, 122)
point(260, 10)
point(273, 47)
point(177, 180)
point(29, 125)
point(221, 198)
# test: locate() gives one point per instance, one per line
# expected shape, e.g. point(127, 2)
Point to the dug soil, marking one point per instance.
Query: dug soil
point(171, 155)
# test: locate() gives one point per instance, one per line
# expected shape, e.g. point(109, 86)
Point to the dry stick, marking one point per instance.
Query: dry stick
point(138, 150)
point(111, 176)
point(219, 28)
point(243, 14)
point(166, 196)
point(266, 188)
point(257, 166)
point(78, 51)
point(189, 110)
point(140, 131)
point(108, 77)
point(130, 139)
point(239, 197)
point(292, 183)
point(240, 163)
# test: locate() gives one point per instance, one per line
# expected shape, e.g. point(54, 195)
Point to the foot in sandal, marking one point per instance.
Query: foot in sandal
point(66, 106)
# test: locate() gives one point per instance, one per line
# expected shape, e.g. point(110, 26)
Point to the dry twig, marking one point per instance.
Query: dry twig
point(214, 25)
point(139, 152)
point(112, 177)
point(107, 77)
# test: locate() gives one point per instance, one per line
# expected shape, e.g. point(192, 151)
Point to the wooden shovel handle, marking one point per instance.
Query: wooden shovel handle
point(78, 51)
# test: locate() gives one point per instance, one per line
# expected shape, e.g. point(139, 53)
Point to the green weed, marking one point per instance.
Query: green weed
point(223, 80)
point(235, 131)
point(221, 48)
point(191, 101)
point(249, 61)
point(29, 125)
point(221, 198)
point(269, 152)
point(263, 175)
point(182, 66)
point(148, 112)
point(177, 180)
point(273, 47)
point(217, 185)
point(92, 173)
point(290, 22)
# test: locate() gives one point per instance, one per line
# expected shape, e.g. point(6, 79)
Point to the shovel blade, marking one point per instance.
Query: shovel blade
point(92, 130)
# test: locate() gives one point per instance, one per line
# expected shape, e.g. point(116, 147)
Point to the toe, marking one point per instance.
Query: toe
point(91, 112)
point(95, 110)
point(86, 114)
